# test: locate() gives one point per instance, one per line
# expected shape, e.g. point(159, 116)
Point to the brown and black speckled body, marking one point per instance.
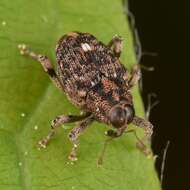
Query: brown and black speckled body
point(93, 78)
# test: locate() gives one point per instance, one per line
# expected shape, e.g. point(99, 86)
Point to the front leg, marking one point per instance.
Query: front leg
point(111, 134)
point(45, 62)
point(144, 124)
point(117, 44)
point(148, 129)
point(56, 123)
point(114, 134)
point(140, 143)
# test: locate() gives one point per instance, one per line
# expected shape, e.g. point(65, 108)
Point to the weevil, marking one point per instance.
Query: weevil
point(90, 73)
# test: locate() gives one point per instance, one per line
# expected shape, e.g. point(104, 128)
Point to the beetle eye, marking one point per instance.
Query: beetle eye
point(117, 117)
point(130, 113)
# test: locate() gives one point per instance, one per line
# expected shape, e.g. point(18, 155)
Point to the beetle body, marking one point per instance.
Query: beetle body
point(93, 77)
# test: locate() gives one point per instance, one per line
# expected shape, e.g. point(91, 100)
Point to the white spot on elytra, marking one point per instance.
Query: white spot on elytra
point(97, 109)
point(92, 83)
point(86, 47)
point(3, 23)
point(115, 75)
point(22, 114)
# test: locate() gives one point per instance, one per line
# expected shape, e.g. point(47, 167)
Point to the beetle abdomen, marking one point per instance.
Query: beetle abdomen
point(83, 61)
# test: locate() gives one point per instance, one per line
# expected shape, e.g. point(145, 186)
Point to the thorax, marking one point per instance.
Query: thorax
point(102, 97)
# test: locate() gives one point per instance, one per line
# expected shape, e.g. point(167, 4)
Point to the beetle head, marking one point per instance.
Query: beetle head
point(121, 114)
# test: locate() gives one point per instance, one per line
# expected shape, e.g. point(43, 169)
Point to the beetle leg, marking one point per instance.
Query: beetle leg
point(117, 44)
point(148, 128)
point(140, 143)
point(45, 62)
point(75, 133)
point(135, 75)
point(100, 159)
point(115, 134)
point(57, 122)
point(146, 125)
point(111, 135)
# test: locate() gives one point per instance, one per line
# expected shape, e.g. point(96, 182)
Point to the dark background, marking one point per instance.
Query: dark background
point(163, 28)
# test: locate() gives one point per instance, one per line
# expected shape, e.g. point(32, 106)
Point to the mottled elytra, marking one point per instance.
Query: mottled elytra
point(93, 78)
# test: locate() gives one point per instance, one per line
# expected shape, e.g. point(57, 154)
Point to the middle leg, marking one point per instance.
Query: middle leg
point(57, 122)
point(75, 133)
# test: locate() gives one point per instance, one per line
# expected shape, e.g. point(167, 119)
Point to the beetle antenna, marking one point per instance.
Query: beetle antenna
point(100, 159)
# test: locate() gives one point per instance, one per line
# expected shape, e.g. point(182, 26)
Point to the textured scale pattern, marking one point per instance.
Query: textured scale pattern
point(91, 74)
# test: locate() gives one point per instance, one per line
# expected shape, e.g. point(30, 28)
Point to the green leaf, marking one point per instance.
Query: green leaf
point(29, 101)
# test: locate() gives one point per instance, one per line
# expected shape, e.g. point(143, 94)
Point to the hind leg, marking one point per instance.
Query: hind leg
point(44, 61)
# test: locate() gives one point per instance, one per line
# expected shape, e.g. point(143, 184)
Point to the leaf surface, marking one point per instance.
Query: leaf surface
point(29, 101)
